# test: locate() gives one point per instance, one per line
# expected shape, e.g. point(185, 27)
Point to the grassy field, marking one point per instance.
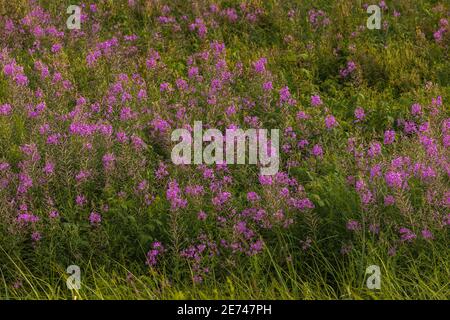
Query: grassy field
point(87, 177)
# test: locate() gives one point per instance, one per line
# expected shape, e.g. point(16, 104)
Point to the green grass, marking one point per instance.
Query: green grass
point(412, 276)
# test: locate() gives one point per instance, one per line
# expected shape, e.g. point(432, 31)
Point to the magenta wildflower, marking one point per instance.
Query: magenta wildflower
point(4, 166)
point(152, 255)
point(256, 247)
point(49, 168)
point(5, 109)
point(389, 200)
point(260, 65)
point(301, 115)
point(53, 214)
point(27, 218)
point(253, 196)
point(330, 122)
point(165, 86)
point(267, 86)
point(80, 200)
point(192, 72)
point(221, 198)
point(285, 96)
point(161, 172)
point(36, 236)
point(25, 183)
point(181, 84)
point(160, 125)
point(348, 70)
point(416, 109)
point(389, 136)
point(108, 161)
point(359, 114)
point(317, 151)
point(56, 47)
point(95, 218)
point(409, 127)
point(426, 234)
point(374, 149)
point(424, 127)
point(173, 194)
point(316, 101)
point(353, 225)
point(318, 18)
point(301, 204)
point(201, 216)
point(394, 179)
point(265, 180)
point(375, 171)
point(407, 235)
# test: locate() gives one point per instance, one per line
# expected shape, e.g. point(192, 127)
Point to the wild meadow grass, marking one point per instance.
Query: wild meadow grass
point(87, 177)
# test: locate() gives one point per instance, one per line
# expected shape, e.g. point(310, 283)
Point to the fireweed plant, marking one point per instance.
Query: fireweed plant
point(87, 178)
point(227, 149)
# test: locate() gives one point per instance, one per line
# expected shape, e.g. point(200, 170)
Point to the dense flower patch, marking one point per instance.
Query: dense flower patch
point(86, 118)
